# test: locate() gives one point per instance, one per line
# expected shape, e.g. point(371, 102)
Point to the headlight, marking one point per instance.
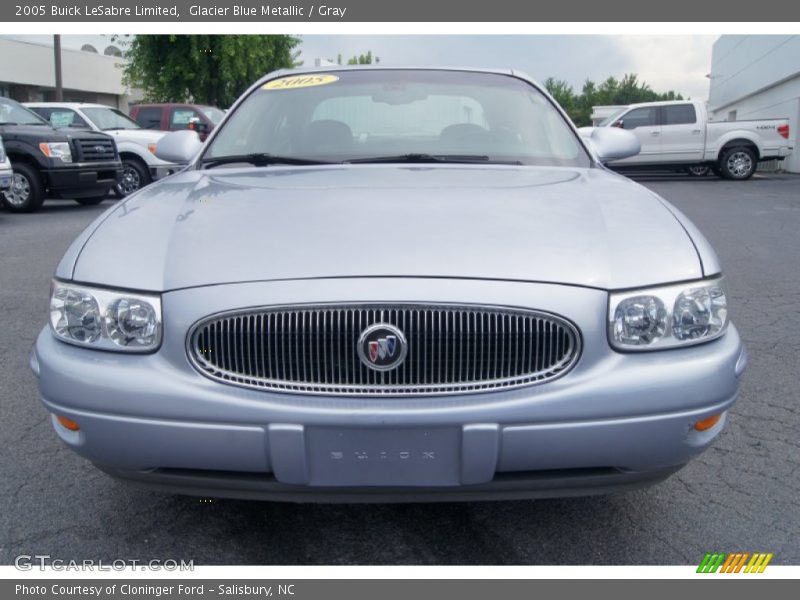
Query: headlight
point(105, 319)
point(57, 150)
point(2, 151)
point(670, 316)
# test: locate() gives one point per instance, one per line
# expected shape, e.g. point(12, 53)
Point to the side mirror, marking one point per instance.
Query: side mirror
point(179, 146)
point(620, 124)
point(611, 143)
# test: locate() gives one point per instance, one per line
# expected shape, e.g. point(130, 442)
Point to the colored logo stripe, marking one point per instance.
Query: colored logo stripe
point(734, 562)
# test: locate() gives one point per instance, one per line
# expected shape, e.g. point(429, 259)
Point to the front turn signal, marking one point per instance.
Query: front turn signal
point(68, 423)
point(707, 423)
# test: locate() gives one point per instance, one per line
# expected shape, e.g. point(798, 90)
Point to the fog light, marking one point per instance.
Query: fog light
point(68, 423)
point(707, 423)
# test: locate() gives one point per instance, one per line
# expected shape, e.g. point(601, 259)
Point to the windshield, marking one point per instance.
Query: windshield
point(110, 118)
point(614, 116)
point(13, 113)
point(214, 114)
point(368, 114)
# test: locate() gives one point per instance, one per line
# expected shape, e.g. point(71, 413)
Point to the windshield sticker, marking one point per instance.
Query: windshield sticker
point(299, 81)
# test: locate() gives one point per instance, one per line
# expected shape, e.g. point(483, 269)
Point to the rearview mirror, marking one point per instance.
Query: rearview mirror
point(179, 146)
point(611, 143)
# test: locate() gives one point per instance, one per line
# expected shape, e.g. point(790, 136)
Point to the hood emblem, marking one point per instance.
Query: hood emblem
point(382, 347)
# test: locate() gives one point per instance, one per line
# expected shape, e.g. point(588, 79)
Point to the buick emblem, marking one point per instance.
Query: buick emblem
point(382, 347)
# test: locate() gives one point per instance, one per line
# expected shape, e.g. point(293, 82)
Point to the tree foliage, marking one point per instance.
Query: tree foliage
point(361, 59)
point(612, 91)
point(204, 69)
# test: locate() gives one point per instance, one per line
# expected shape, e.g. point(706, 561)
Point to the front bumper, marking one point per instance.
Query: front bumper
point(84, 179)
point(616, 421)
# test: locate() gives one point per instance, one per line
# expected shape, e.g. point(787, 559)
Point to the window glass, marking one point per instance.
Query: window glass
point(149, 118)
point(181, 117)
point(108, 119)
point(65, 117)
point(646, 116)
point(213, 114)
point(363, 114)
point(13, 113)
point(679, 114)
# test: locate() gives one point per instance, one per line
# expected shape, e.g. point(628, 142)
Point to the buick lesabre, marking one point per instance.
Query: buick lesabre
point(389, 284)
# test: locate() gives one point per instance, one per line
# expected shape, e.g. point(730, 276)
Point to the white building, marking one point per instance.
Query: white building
point(27, 73)
point(757, 77)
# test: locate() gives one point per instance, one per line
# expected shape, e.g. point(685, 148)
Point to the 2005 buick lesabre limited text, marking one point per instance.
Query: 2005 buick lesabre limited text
point(391, 284)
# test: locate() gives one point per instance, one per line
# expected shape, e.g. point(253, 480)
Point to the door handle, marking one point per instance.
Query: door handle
point(655, 133)
point(696, 131)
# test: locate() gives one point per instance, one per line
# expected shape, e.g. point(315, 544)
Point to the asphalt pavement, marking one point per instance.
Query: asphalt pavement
point(741, 495)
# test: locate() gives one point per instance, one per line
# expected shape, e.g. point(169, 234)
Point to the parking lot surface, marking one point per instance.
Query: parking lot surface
point(741, 495)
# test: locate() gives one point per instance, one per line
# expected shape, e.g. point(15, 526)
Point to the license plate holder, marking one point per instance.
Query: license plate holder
point(390, 457)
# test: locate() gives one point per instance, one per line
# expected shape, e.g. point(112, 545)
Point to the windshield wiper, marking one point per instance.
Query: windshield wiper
point(421, 157)
point(260, 159)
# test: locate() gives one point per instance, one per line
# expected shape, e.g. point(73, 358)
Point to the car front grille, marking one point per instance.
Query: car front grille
point(95, 150)
point(450, 349)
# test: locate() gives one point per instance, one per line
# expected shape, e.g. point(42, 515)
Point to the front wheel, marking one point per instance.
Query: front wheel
point(135, 176)
point(738, 163)
point(26, 193)
point(698, 170)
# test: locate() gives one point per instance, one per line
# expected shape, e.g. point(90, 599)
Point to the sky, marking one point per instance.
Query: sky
point(666, 62)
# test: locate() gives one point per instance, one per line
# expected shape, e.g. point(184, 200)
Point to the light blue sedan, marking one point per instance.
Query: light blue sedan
point(391, 284)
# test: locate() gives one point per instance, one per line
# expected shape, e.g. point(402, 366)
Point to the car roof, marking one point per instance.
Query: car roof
point(660, 103)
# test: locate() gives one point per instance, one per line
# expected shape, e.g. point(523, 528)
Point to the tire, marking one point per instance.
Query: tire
point(26, 193)
point(698, 170)
point(93, 201)
point(135, 176)
point(738, 163)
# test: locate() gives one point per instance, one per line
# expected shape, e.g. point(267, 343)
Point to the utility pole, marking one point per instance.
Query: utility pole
point(57, 52)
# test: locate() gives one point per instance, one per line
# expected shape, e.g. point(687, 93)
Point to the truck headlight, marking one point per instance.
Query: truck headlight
point(57, 150)
point(2, 151)
point(668, 316)
point(105, 319)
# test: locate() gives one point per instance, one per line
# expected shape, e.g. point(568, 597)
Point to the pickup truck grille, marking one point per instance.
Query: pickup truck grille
point(96, 150)
point(450, 349)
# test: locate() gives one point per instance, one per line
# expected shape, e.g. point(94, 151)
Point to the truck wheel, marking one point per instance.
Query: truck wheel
point(135, 176)
point(738, 163)
point(26, 193)
point(698, 170)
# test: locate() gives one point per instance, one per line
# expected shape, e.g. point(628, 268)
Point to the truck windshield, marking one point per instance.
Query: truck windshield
point(214, 114)
point(398, 116)
point(614, 116)
point(13, 113)
point(107, 119)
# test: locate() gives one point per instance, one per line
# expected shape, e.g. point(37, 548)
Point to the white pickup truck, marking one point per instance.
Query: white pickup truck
point(678, 135)
point(136, 146)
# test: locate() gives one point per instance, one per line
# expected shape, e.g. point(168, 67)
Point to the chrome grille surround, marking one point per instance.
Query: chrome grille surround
point(452, 348)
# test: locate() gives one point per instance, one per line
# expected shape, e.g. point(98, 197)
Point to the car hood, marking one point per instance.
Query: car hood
point(583, 227)
point(43, 132)
point(138, 136)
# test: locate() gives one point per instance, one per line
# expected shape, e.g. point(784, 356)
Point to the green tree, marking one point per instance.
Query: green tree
point(562, 92)
point(612, 91)
point(206, 69)
point(361, 59)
